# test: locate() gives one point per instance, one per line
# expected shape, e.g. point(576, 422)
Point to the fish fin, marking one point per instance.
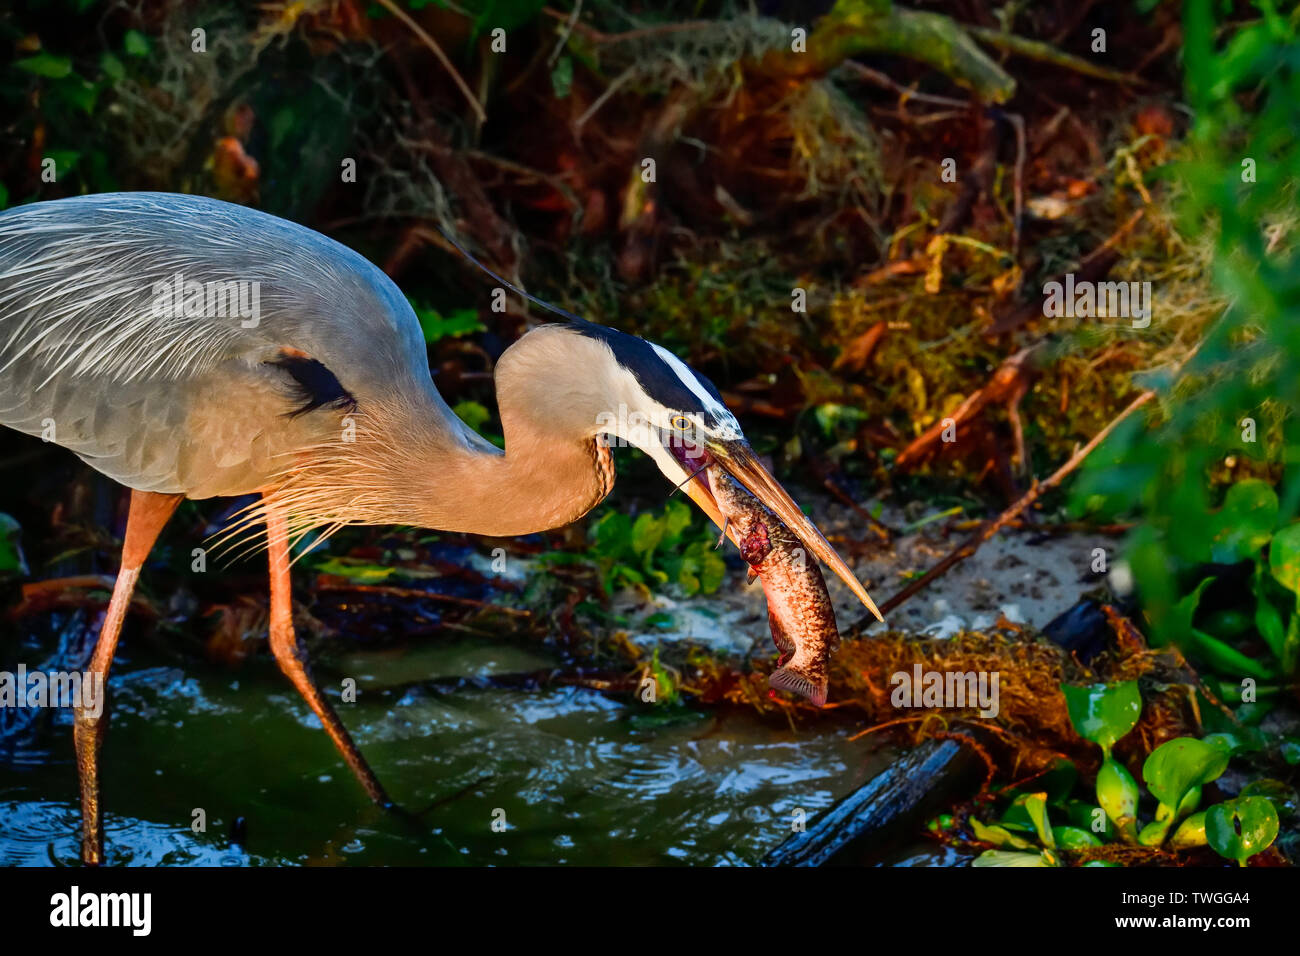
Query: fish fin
point(751, 577)
point(791, 679)
point(780, 637)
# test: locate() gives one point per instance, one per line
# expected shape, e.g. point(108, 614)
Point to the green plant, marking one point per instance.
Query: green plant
point(1103, 713)
point(1238, 829)
point(437, 326)
point(1174, 774)
point(1245, 529)
point(1229, 411)
point(12, 562)
point(656, 549)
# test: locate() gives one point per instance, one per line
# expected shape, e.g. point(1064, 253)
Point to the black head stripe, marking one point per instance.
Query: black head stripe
point(316, 386)
point(660, 381)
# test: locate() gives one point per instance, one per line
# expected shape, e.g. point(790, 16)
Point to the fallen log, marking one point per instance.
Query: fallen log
point(886, 810)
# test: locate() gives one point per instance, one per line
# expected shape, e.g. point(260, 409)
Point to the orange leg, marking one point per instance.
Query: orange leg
point(292, 660)
point(145, 519)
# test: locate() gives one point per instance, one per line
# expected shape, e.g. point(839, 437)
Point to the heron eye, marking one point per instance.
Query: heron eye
point(681, 422)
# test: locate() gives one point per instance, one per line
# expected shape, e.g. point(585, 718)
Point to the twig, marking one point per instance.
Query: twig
point(432, 44)
point(973, 543)
point(904, 93)
point(564, 34)
point(53, 592)
point(602, 99)
point(1091, 267)
point(1007, 385)
point(1045, 52)
point(879, 527)
point(1018, 122)
point(889, 723)
point(415, 594)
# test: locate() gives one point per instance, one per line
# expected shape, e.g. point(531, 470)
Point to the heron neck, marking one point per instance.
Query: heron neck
point(534, 486)
point(554, 468)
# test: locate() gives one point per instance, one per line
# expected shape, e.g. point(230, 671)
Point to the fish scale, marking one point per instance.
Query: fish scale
point(799, 610)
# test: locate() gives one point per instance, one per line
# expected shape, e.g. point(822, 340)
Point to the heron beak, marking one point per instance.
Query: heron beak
point(738, 459)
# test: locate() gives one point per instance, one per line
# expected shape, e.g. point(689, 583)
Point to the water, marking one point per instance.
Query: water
point(575, 777)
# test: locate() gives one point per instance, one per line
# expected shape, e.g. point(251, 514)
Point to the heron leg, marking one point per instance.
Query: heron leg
point(289, 655)
point(147, 515)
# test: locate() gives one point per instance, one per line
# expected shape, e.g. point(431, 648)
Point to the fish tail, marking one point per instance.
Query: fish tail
point(797, 680)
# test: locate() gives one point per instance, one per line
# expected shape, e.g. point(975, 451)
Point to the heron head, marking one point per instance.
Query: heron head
point(677, 417)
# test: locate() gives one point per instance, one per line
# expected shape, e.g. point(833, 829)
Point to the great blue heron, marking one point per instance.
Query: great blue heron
point(189, 348)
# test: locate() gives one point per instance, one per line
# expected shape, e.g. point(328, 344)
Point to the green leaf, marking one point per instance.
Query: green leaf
point(354, 570)
point(1178, 625)
point(1073, 838)
point(1190, 833)
point(1283, 796)
point(1153, 834)
point(1059, 782)
point(677, 518)
point(1117, 794)
point(1177, 767)
point(613, 534)
point(437, 327)
point(472, 414)
point(505, 14)
point(1103, 713)
point(111, 66)
point(1284, 557)
point(562, 77)
point(1238, 829)
point(1245, 522)
point(12, 562)
point(65, 160)
point(712, 568)
point(647, 533)
point(77, 93)
point(1001, 858)
point(1036, 806)
point(1224, 658)
point(1291, 644)
point(135, 43)
point(1268, 619)
point(45, 64)
point(1233, 743)
point(998, 835)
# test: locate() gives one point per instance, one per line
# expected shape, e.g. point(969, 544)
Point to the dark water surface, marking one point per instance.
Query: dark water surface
point(579, 777)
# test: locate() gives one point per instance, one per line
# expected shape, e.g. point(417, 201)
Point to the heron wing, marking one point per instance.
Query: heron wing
point(105, 350)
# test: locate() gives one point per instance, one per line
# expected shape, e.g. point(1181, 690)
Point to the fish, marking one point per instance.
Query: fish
point(799, 611)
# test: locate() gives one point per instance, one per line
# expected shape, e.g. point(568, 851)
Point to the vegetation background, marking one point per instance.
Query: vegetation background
point(854, 208)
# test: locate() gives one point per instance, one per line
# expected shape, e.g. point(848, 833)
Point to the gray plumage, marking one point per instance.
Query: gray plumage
point(191, 405)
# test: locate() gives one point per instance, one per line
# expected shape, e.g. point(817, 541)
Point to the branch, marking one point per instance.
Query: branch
point(876, 26)
point(972, 544)
point(1046, 53)
point(432, 44)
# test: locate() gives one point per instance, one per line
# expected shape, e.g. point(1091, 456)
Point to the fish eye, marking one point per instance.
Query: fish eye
point(681, 422)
